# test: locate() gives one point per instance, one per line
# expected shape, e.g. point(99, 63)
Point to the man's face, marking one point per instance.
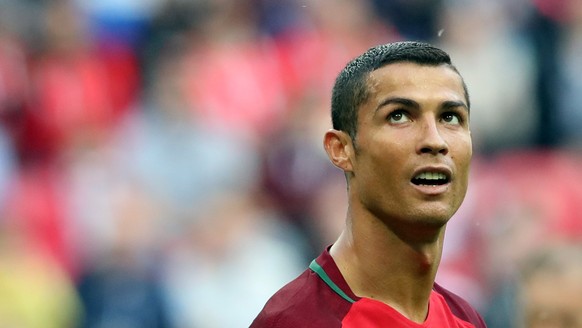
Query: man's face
point(413, 145)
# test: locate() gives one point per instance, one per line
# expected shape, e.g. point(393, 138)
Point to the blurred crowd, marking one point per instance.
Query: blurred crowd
point(161, 161)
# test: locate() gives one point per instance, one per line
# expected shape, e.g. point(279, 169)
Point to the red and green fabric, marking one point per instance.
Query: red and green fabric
point(320, 297)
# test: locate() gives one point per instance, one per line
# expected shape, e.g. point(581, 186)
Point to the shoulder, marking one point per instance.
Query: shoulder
point(304, 302)
point(460, 307)
point(284, 304)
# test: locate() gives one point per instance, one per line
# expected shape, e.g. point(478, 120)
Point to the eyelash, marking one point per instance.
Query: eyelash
point(458, 116)
point(398, 112)
point(407, 115)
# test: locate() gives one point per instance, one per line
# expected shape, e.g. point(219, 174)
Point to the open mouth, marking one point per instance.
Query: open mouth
point(430, 179)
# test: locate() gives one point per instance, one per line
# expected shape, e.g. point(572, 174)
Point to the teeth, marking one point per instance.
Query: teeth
point(431, 176)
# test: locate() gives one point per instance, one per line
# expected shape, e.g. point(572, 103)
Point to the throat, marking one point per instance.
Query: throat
point(426, 262)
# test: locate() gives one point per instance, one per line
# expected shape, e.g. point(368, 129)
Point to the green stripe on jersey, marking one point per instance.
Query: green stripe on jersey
point(321, 273)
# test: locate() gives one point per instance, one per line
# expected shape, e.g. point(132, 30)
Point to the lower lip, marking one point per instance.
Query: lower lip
point(432, 190)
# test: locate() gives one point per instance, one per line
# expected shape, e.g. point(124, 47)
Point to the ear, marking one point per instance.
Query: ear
point(339, 148)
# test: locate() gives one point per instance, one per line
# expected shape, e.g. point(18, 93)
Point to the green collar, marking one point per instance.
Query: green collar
point(321, 273)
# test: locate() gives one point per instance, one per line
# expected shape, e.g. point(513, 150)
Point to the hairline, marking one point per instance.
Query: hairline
point(366, 77)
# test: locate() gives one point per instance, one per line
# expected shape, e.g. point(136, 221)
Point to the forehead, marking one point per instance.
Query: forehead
point(417, 82)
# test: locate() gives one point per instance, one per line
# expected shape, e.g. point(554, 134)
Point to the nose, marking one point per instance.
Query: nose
point(431, 140)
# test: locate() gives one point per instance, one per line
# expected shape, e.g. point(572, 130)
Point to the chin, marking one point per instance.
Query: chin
point(436, 217)
point(428, 219)
point(420, 228)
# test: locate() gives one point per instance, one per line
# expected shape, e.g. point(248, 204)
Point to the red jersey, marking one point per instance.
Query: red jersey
point(320, 297)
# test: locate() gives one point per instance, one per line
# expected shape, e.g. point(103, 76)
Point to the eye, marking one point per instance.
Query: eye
point(452, 118)
point(398, 117)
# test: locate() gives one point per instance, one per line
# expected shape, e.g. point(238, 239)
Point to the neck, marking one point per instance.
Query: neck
point(385, 265)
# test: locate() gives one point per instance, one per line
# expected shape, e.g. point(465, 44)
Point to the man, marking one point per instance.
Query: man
point(401, 135)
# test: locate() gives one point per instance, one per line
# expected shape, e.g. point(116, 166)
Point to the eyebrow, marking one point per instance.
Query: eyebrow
point(411, 103)
point(454, 104)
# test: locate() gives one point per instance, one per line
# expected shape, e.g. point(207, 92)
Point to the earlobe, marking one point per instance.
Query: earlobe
point(339, 149)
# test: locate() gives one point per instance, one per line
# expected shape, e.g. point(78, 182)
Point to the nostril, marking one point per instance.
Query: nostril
point(434, 150)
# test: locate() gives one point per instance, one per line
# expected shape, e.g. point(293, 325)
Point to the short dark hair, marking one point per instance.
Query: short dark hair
point(351, 85)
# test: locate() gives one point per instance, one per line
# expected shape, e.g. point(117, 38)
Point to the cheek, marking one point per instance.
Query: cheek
point(462, 152)
point(386, 151)
point(381, 169)
point(462, 159)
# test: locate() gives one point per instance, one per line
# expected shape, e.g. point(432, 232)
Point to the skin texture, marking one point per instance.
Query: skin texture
point(415, 119)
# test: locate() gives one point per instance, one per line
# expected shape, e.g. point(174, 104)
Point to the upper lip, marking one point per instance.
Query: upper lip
point(434, 169)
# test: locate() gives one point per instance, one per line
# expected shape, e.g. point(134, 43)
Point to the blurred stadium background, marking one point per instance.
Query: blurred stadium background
point(161, 161)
